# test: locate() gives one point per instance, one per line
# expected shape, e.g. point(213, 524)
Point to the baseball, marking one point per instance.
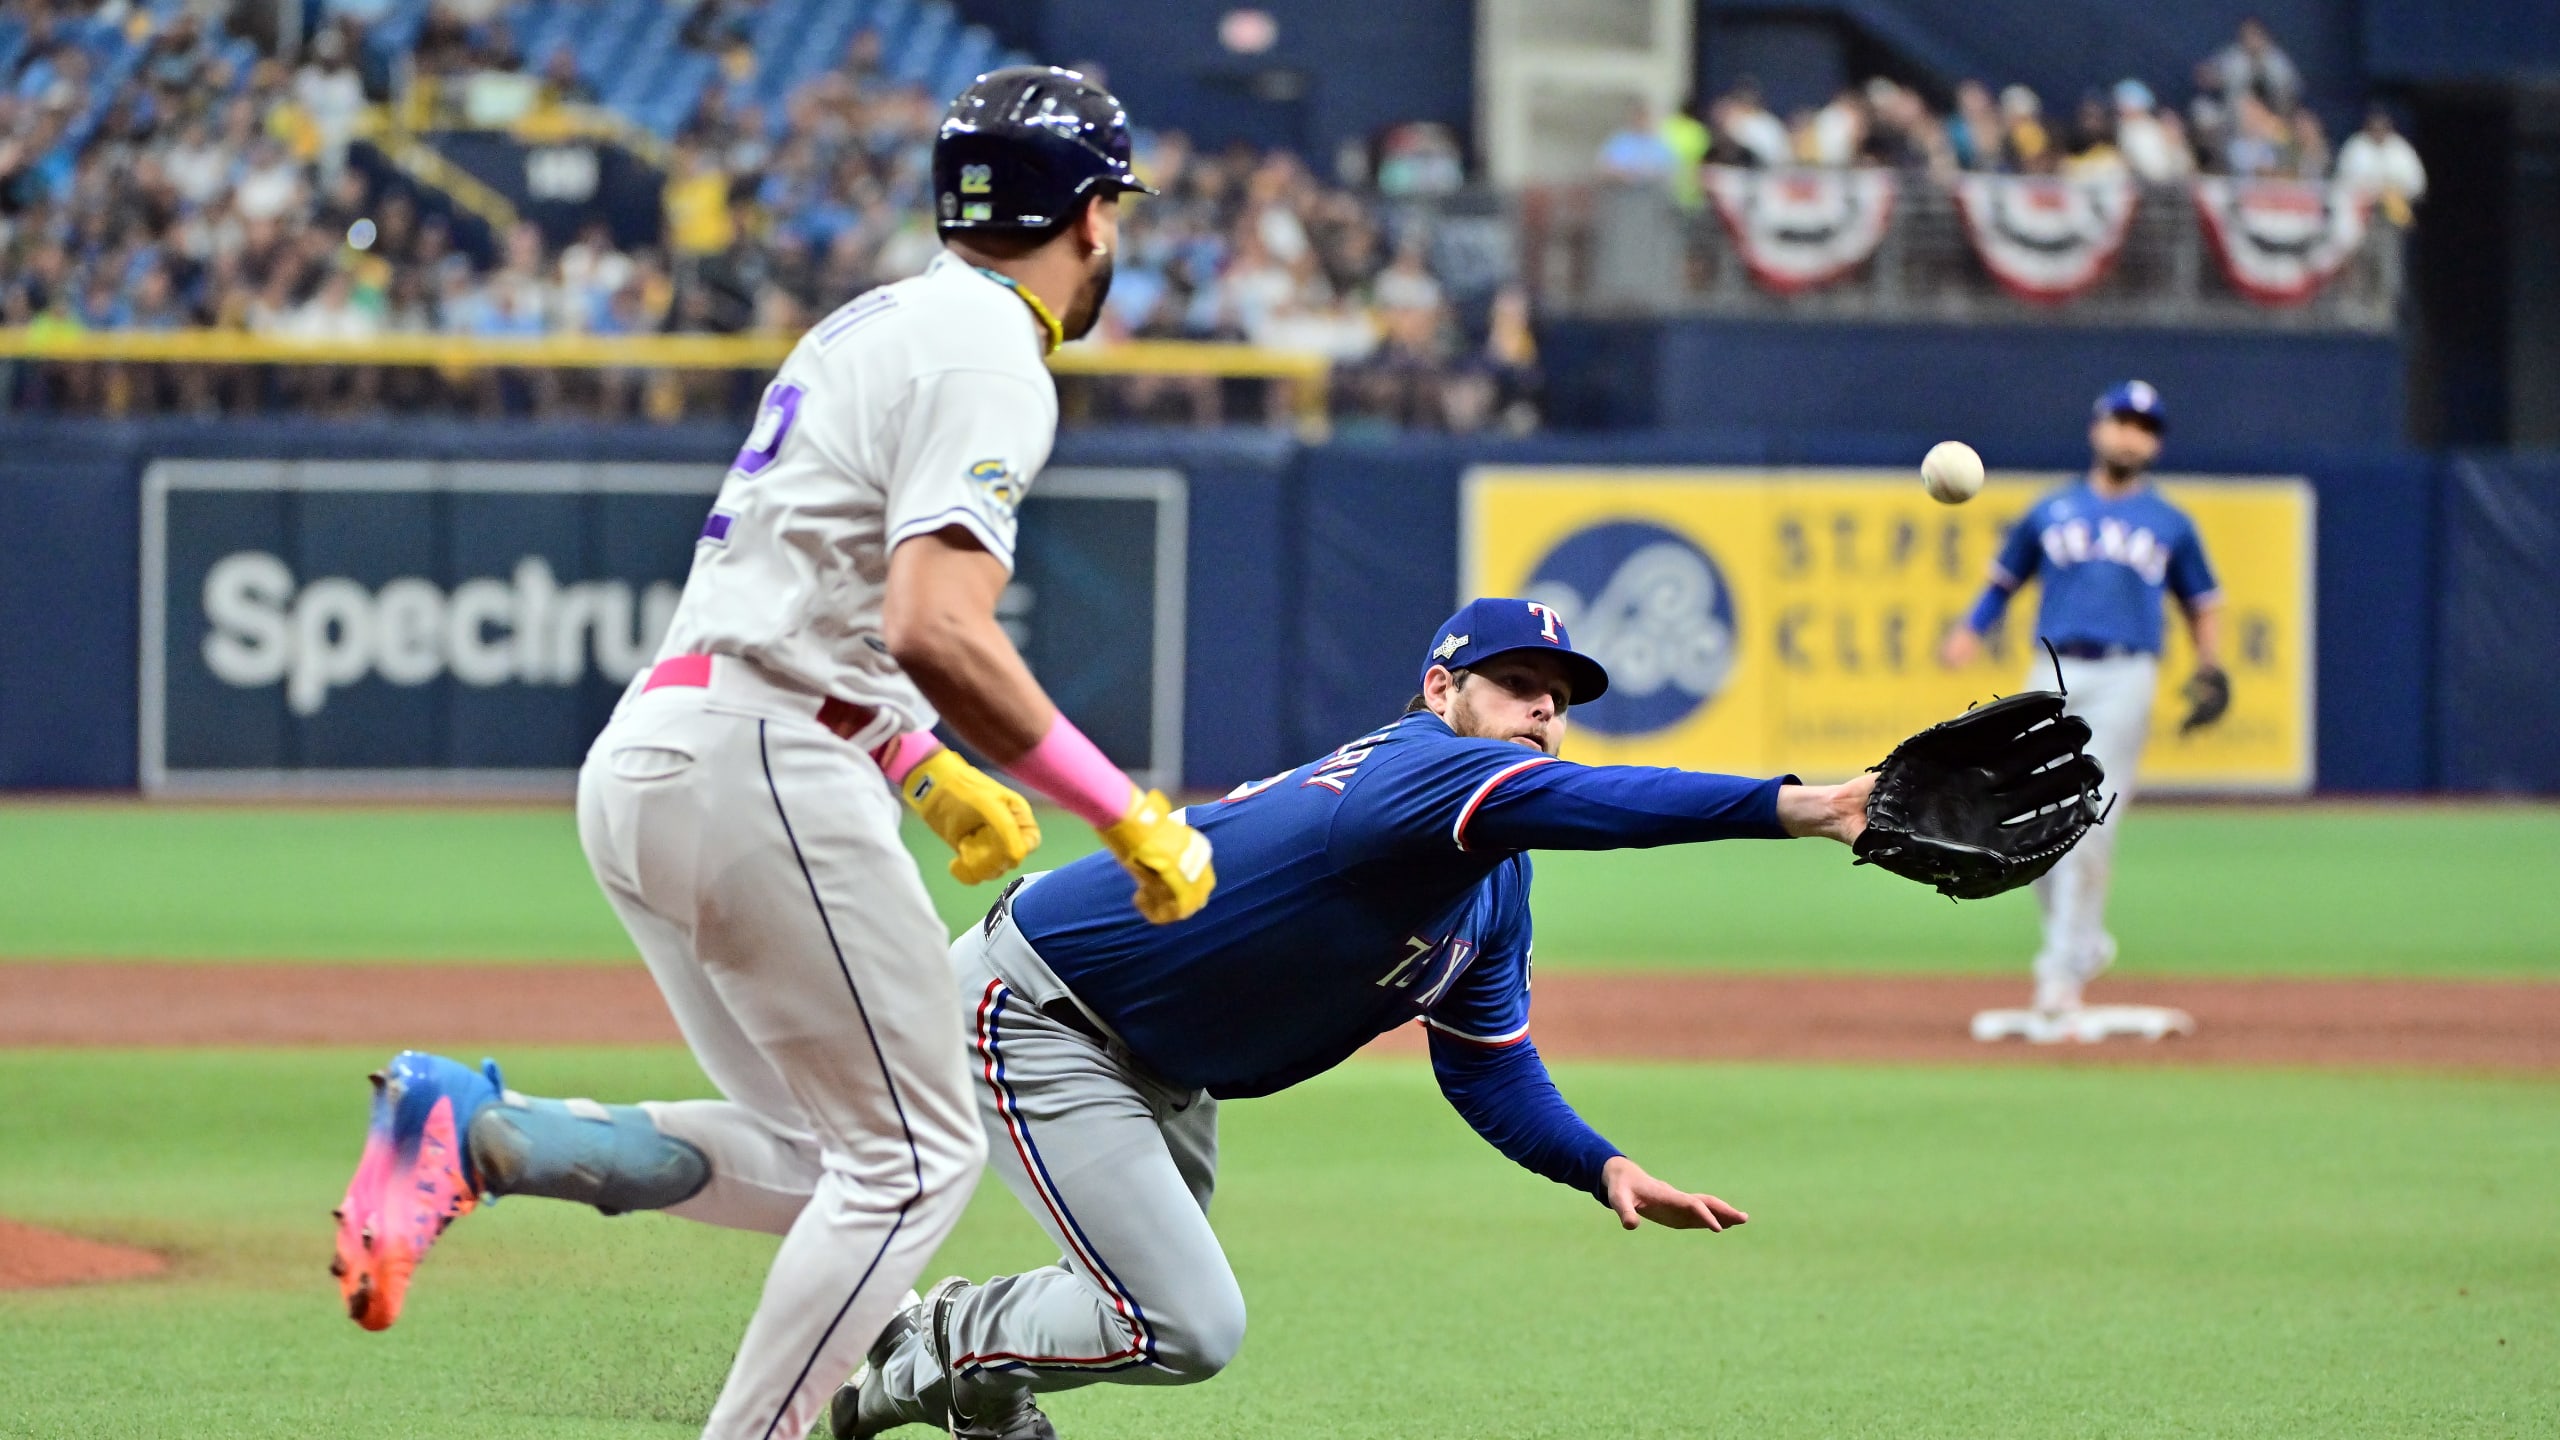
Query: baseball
point(1951, 472)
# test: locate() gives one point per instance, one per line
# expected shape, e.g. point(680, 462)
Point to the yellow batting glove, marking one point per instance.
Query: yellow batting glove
point(1169, 859)
point(989, 825)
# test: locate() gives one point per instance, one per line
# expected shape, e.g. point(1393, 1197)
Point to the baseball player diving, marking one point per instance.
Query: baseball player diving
point(741, 809)
point(2105, 547)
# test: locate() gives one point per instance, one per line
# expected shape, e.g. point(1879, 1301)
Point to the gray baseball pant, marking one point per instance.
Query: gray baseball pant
point(1117, 1166)
point(2114, 695)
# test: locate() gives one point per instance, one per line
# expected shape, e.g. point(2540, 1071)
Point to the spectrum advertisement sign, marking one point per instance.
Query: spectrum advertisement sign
point(315, 626)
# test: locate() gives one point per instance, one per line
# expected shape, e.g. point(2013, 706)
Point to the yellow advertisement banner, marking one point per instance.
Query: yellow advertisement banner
point(1761, 621)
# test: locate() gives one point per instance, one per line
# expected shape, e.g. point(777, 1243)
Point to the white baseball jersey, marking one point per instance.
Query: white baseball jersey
point(917, 406)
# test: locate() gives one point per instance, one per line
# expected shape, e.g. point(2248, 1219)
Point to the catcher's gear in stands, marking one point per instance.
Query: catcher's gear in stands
point(1985, 802)
point(2208, 693)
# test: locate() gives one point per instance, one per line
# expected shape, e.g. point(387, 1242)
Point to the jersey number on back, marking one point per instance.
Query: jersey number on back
point(781, 406)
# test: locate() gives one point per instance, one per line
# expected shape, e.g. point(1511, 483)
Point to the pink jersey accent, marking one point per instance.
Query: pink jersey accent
point(686, 670)
point(904, 754)
point(1067, 768)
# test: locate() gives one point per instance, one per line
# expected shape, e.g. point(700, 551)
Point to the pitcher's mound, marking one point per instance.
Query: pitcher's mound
point(32, 1257)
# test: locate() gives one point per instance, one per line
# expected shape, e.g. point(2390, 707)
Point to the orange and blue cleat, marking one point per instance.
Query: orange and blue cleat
point(415, 1179)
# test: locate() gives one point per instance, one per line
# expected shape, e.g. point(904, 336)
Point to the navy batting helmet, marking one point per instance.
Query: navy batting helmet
point(1021, 147)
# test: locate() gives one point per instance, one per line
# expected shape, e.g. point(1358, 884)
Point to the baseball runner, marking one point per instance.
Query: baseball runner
point(2105, 547)
point(741, 809)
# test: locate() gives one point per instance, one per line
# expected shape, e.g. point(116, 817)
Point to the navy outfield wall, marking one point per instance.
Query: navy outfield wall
point(1312, 570)
point(2002, 387)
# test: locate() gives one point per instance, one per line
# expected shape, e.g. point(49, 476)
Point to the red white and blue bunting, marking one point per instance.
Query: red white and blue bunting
point(2046, 238)
point(2281, 240)
point(1801, 229)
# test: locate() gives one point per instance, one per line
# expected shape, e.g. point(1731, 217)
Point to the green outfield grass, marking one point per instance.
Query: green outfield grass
point(1941, 1252)
point(2201, 890)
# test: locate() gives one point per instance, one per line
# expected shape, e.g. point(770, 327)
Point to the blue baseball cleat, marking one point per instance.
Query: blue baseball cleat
point(415, 1178)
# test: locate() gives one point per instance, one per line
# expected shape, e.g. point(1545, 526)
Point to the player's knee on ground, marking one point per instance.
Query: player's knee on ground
point(1198, 1339)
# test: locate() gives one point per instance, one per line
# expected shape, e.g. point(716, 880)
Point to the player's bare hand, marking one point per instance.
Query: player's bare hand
point(1169, 860)
point(1832, 812)
point(1961, 647)
point(988, 827)
point(1638, 1197)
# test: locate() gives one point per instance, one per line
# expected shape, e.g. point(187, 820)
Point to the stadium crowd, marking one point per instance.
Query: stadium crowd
point(202, 185)
point(2245, 116)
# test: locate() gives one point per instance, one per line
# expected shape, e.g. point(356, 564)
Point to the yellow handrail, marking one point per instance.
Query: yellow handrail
point(1310, 372)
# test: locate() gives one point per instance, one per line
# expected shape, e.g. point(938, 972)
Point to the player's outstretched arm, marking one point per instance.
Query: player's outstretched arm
point(939, 619)
point(1638, 1197)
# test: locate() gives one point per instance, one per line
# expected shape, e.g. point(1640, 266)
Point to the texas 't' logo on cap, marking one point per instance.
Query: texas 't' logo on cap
point(1485, 628)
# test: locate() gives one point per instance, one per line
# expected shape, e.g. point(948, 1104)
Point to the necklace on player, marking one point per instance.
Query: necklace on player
point(1049, 326)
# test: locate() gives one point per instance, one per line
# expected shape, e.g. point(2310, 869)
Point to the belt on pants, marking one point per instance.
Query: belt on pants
point(843, 717)
point(2093, 650)
point(1063, 1009)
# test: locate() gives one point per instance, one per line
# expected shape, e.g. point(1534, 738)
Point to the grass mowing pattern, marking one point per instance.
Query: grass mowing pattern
point(1938, 1252)
point(2206, 891)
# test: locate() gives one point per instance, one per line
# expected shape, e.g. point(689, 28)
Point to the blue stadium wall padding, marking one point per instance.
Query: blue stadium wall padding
point(2498, 700)
point(2004, 388)
point(68, 619)
point(1316, 572)
point(1240, 593)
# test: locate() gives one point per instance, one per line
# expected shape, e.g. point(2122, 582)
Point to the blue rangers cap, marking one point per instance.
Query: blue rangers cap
point(2135, 399)
point(1485, 628)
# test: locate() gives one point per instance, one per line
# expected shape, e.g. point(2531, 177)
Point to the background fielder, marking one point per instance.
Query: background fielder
point(2106, 548)
point(741, 809)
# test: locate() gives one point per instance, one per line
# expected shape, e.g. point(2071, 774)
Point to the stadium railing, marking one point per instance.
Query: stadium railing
point(1308, 376)
point(1575, 239)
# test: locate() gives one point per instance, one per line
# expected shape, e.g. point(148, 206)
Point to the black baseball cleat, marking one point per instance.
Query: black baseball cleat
point(844, 1413)
point(862, 1408)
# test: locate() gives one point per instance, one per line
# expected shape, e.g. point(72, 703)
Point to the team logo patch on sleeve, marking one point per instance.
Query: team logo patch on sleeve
point(1001, 485)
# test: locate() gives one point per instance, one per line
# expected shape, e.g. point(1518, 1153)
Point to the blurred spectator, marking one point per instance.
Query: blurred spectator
point(330, 94)
point(2252, 65)
point(1976, 133)
point(1902, 134)
point(1420, 159)
point(697, 202)
point(1636, 153)
point(189, 196)
point(2306, 151)
point(2094, 155)
point(1837, 134)
point(2379, 161)
point(2258, 140)
point(1684, 134)
point(2153, 144)
point(2030, 147)
point(1757, 137)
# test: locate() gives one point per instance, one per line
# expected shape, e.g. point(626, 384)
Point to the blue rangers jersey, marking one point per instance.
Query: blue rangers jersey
point(1380, 884)
point(2104, 564)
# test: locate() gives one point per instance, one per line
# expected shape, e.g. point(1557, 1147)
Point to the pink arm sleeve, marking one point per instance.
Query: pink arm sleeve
point(904, 754)
point(1066, 767)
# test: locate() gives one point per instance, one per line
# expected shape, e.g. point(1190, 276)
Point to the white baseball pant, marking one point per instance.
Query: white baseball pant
point(2114, 695)
point(754, 857)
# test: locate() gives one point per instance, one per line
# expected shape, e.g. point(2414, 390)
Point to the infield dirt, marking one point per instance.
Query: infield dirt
point(2452, 1025)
